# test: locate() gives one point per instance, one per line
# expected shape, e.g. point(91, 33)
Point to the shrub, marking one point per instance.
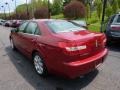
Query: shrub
point(22, 16)
point(41, 13)
point(60, 16)
point(74, 10)
point(13, 16)
point(92, 20)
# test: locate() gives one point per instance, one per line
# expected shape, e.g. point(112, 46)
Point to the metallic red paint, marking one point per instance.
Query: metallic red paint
point(52, 47)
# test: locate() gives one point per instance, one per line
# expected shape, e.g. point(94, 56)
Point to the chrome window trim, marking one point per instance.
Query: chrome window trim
point(28, 34)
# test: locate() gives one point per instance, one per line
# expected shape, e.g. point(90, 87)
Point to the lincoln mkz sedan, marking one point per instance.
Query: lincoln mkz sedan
point(59, 47)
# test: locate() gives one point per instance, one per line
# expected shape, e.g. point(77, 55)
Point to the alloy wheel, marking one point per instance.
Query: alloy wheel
point(38, 64)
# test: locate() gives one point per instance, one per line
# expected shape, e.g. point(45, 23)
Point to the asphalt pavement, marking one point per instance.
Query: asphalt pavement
point(17, 72)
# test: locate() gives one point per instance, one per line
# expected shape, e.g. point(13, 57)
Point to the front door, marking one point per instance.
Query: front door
point(19, 36)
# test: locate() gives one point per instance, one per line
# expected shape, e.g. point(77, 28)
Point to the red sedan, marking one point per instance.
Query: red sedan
point(59, 47)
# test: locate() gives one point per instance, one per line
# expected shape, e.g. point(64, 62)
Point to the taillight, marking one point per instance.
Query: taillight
point(101, 40)
point(104, 42)
point(73, 48)
point(76, 48)
point(115, 27)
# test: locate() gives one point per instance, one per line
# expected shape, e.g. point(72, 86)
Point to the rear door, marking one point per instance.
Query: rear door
point(30, 36)
point(18, 37)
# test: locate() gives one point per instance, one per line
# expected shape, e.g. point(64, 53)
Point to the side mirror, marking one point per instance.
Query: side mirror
point(14, 30)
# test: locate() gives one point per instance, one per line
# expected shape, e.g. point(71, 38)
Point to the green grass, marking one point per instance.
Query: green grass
point(60, 16)
point(94, 23)
point(94, 27)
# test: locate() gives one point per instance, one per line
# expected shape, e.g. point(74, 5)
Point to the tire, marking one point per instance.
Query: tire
point(12, 44)
point(39, 65)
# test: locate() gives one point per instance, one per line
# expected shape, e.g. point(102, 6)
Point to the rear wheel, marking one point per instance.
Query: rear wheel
point(39, 65)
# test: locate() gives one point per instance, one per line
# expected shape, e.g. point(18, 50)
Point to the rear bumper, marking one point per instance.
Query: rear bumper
point(82, 67)
point(111, 36)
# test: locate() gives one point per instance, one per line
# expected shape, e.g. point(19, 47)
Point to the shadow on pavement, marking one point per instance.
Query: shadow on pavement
point(25, 68)
point(115, 46)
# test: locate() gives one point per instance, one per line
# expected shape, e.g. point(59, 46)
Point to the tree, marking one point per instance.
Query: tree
point(66, 2)
point(21, 8)
point(41, 13)
point(98, 4)
point(115, 6)
point(57, 6)
point(74, 10)
point(108, 10)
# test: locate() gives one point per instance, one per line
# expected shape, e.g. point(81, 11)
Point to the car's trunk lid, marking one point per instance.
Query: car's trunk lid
point(115, 30)
point(93, 41)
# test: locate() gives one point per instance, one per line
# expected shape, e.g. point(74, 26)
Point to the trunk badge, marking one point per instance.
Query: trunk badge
point(96, 43)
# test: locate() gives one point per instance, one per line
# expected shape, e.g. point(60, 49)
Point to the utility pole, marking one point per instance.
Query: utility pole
point(27, 9)
point(33, 9)
point(103, 15)
point(49, 10)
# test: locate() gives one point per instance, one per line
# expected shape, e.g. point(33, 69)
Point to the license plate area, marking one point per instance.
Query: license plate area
point(98, 64)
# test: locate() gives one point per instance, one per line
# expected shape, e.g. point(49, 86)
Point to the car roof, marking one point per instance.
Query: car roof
point(117, 14)
point(45, 20)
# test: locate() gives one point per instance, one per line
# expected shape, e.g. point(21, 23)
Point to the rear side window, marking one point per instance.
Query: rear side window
point(37, 32)
point(22, 27)
point(112, 18)
point(118, 19)
point(31, 28)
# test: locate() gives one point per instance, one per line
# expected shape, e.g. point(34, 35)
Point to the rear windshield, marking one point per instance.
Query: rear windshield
point(63, 26)
point(82, 23)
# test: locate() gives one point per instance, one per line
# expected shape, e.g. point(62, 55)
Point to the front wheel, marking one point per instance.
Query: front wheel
point(12, 44)
point(39, 65)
